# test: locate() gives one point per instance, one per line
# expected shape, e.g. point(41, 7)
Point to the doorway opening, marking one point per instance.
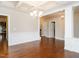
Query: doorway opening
point(3, 34)
point(53, 25)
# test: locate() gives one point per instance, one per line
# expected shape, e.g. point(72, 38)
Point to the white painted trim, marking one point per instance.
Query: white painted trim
point(59, 38)
point(59, 9)
point(72, 44)
point(23, 37)
point(38, 18)
point(8, 25)
point(48, 36)
point(73, 50)
point(54, 11)
point(74, 5)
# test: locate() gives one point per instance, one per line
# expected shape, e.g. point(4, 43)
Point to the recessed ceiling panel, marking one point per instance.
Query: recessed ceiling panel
point(33, 5)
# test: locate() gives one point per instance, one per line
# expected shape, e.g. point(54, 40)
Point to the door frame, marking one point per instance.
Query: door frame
point(8, 25)
point(54, 29)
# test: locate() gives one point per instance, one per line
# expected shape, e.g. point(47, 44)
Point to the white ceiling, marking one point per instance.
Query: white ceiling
point(33, 5)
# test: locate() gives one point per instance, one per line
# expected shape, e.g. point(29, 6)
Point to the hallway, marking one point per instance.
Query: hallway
point(44, 48)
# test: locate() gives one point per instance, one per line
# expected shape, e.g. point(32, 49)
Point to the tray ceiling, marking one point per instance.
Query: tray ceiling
point(28, 6)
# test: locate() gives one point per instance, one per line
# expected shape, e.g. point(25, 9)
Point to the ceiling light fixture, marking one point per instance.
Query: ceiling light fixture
point(62, 16)
point(36, 13)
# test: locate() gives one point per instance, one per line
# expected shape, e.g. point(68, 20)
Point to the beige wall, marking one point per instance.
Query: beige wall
point(19, 21)
point(76, 25)
point(47, 27)
point(2, 19)
point(23, 27)
point(60, 28)
point(44, 23)
point(23, 23)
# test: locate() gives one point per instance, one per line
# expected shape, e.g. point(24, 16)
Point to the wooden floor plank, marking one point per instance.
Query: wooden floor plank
point(44, 48)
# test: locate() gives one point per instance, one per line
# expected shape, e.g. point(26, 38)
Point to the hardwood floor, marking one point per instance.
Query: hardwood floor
point(45, 48)
point(3, 46)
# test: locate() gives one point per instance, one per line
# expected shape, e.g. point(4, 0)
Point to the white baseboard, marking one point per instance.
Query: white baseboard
point(73, 50)
point(59, 38)
point(18, 38)
point(48, 36)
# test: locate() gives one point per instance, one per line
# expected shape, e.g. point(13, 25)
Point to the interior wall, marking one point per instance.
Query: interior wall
point(59, 28)
point(2, 19)
point(23, 27)
point(76, 25)
point(47, 28)
point(71, 43)
point(44, 27)
point(51, 30)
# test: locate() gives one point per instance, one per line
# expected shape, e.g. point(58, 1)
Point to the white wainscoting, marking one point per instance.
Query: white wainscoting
point(72, 44)
point(22, 37)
